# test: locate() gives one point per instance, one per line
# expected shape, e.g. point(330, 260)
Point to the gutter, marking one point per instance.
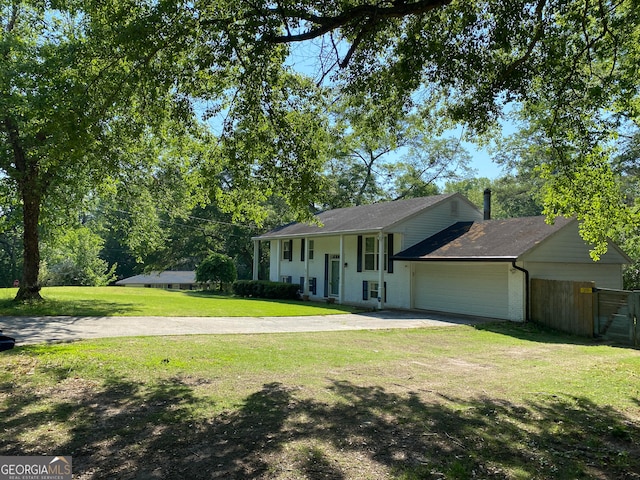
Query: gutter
point(442, 258)
point(527, 293)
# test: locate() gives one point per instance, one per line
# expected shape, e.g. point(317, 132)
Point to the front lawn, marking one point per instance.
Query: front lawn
point(123, 301)
point(500, 401)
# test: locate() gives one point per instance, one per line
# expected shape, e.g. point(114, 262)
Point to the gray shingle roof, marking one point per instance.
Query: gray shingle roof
point(504, 240)
point(155, 278)
point(364, 218)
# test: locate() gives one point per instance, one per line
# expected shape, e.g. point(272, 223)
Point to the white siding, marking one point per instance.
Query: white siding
point(479, 289)
point(274, 260)
point(322, 246)
point(398, 283)
point(605, 275)
point(434, 220)
point(399, 286)
point(517, 295)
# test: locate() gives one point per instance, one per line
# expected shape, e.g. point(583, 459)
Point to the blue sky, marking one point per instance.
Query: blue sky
point(304, 58)
point(482, 163)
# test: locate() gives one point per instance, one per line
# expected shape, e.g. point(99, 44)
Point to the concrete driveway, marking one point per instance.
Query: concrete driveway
point(34, 330)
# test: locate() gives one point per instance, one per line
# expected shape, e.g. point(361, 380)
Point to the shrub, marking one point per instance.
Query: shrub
point(265, 289)
point(73, 258)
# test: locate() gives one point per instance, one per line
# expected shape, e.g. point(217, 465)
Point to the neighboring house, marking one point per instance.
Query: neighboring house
point(433, 253)
point(179, 280)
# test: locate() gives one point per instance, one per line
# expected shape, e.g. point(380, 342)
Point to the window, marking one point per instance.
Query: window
point(374, 292)
point(370, 248)
point(371, 257)
point(286, 250)
point(286, 279)
point(310, 249)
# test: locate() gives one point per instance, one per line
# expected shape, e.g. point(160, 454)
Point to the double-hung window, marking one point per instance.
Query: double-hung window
point(372, 254)
point(374, 291)
point(286, 250)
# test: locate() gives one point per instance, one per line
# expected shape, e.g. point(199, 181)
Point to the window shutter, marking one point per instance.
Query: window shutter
point(302, 284)
point(312, 285)
point(289, 279)
point(389, 254)
point(365, 290)
point(326, 274)
point(291, 250)
point(302, 250)
point(359, 260)
point(385, 292)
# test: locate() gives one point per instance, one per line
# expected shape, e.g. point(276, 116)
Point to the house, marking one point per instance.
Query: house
point(433, 253)
point(179, 280)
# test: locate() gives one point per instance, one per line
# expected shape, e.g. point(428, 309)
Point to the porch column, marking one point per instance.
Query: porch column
point(277, 260)
point(306, 267)
point(381, 270)
point(341, 286)
point(256, 259)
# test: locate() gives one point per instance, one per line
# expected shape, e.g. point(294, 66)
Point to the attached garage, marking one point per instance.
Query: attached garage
point(469, 288)
point(484, 268)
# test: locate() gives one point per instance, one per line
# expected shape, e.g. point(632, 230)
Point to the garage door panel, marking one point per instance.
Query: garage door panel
point(479, 289)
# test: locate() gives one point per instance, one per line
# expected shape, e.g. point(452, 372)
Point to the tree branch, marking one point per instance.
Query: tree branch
point(12, 19)
point(538, 35)
point(325, 24)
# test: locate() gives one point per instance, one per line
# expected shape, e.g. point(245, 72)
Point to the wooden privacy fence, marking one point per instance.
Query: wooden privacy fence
point(616, 316)
point(582, 309)
point(564, 305)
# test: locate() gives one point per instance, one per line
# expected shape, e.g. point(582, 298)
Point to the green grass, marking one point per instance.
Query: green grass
point(500, 401)
point(114, 301)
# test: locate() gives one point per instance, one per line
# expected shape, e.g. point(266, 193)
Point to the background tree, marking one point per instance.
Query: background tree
point(378, 156)
point(74, 259)
point(427, 163)
point(216, 268)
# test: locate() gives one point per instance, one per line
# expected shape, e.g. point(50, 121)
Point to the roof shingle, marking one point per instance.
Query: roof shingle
point(489, 240)
point(363, 218)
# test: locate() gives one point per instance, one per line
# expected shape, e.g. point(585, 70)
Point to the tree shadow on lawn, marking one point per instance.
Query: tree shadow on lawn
point(85, 308)
point(127, 430)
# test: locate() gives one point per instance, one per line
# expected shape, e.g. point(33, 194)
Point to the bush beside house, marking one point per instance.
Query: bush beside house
point(265, 289)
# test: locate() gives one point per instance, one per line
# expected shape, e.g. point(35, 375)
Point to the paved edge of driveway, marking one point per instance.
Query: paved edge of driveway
point(38, 330)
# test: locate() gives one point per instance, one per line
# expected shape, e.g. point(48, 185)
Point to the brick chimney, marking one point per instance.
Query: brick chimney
point(487, 204)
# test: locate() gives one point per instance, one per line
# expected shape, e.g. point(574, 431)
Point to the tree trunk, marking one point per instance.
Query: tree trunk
point(29, 286)
point(30, 187)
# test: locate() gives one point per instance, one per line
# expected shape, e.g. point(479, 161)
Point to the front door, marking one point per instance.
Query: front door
point(334, 276)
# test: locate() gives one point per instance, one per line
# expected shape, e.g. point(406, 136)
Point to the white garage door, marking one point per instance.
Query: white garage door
point(479, 289)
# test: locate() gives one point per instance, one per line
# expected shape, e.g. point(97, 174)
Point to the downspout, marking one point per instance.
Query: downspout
point(342, 272)
point(527, 300)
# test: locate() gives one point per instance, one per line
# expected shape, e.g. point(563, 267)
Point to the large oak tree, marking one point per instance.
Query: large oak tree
point(83, 85)
point(571, 67)
point(65, 95)
point(76, 78)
